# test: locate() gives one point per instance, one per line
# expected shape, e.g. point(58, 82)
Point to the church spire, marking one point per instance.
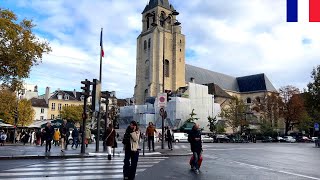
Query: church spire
point(154, 3)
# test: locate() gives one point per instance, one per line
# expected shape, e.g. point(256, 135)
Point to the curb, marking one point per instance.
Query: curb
point(68, 156)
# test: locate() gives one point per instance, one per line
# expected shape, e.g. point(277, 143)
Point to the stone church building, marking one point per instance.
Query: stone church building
point(161, 63)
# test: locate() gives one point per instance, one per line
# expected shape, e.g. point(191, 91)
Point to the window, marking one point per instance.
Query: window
point(41, 118)
point(42, 110)
point(162, 18)
point(145, 45)
point(58, 116)
point(52, 116)
point(53, 106)
point(59, 96)
point(147, 64)
point(249, 100)
point(59, 107)
point(66, 105)
point(166, 68)
point(180, 41)
point(66, 97)
point(148, 23)
point(258, 99)
point(82, 98)
point(149, 43)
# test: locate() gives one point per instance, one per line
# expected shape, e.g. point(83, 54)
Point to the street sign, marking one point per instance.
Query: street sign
point(162, 100)
point(316, 126)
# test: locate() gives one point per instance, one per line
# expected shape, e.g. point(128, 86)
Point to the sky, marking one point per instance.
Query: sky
point(237, 38)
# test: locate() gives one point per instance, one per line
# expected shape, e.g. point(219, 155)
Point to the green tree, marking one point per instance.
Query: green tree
point(72, 113)
point(312, 96)
point(234, 113)
point(266, 129)
point(20, 49)
point(8, 104)
point(26, 112)
point(191, 119)
point(212, 124)
point(221, 128)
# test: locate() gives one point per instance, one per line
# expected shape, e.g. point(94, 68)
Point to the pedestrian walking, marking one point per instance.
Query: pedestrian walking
point(75, 137)
point(194, 139)
point(25, 138)
point(64, 133)
point(88, 136)
point(3, 137)
point(42, 136)
point(150, 135)
point(131, 145)
point(110, 138)
point(33, 138)
point(48, 135)
point(38, 137)
point(56, 137)
point(169, 137)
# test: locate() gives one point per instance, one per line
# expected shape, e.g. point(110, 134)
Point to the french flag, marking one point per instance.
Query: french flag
point(303, 6)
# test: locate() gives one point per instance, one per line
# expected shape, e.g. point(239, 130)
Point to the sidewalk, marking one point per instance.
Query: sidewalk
point(19, 151)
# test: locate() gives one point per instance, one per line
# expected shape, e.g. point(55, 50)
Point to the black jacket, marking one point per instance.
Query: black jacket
point(126, 139)
point(48, 133)
point(64, 131)
point(196, 145)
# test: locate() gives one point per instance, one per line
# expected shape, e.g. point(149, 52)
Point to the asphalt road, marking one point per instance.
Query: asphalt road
point(274, 161)
point(244, 161)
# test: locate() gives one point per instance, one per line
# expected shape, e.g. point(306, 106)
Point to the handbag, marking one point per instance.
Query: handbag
point(109, 135)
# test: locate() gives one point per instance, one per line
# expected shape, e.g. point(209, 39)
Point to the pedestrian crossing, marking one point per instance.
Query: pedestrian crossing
point(175, 146)
point(80, 168)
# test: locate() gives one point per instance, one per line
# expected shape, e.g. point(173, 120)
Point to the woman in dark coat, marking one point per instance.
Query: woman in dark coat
point(110, 139)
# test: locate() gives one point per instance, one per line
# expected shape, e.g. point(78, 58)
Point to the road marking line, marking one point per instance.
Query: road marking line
point(269, 169)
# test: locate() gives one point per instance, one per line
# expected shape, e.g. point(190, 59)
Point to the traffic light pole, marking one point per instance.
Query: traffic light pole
point(84, 119)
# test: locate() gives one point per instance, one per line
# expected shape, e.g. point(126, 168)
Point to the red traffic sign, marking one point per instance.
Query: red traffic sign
point(162, 99)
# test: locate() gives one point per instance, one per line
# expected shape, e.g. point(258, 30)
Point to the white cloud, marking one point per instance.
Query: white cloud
point(238, 38)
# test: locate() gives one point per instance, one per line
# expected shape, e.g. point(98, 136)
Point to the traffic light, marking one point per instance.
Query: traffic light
point(86, 88)
point(169, 94)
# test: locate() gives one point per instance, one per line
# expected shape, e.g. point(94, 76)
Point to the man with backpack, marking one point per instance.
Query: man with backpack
point(194, 139)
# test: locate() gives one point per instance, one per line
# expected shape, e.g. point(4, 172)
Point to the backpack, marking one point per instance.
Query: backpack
point(126, 139)
point(3, 137)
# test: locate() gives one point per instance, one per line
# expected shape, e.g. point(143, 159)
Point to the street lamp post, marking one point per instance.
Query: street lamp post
point(163, 21)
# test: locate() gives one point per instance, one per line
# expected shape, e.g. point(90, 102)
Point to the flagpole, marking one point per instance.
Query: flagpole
point(100, 78)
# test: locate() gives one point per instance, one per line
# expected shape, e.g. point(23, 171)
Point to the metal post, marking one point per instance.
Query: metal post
point(143, 145)
point(98, 131)
point(163, 82)
point(84, 118)
point(106, 123)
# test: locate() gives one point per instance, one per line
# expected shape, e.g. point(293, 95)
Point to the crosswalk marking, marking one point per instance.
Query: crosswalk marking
point(174, 146)
point(87, 168)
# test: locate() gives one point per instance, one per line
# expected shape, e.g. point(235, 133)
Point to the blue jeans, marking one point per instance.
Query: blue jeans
point(75, 142)
point(129, 169)
point(196, 156)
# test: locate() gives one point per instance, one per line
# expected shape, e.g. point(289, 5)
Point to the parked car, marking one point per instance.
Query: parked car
point(267, 139)
point(206, 139)
point(280, 139)
point(303, 139)
point(180, 137)
point(221, 138)
point(289, 139)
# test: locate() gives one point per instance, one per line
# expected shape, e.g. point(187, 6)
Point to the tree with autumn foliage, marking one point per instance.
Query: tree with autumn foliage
point(234, 113)
point(8, 104)
point(20, 49)
point(270, 108)
point(293, 108)
point(72, 113)
point(26, 113)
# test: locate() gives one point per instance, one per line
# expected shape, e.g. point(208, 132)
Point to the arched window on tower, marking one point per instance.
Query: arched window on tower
point(162, 18)
point(148, 22)
point(149, 43)
point(145, 45)
point(248, 100)
point(166, 68)
point(147, 71)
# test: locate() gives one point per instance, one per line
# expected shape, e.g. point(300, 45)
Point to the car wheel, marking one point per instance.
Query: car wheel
point(177, 140)
point(70, 141)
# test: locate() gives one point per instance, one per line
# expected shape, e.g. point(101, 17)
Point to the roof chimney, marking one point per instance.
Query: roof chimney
point(75, 93)
point(46, 96)
point(192, 80)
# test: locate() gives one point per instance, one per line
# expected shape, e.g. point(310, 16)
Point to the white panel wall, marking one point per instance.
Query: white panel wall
point(38, 113)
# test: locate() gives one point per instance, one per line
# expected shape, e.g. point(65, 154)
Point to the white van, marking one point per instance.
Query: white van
point(180, 137)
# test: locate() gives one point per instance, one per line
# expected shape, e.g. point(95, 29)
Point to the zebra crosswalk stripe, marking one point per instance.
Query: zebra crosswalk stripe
point(87, 168)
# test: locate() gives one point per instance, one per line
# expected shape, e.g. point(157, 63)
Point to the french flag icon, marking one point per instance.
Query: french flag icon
point(297, 10)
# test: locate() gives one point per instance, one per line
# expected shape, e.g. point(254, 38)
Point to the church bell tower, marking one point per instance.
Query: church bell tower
point(160, 52)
